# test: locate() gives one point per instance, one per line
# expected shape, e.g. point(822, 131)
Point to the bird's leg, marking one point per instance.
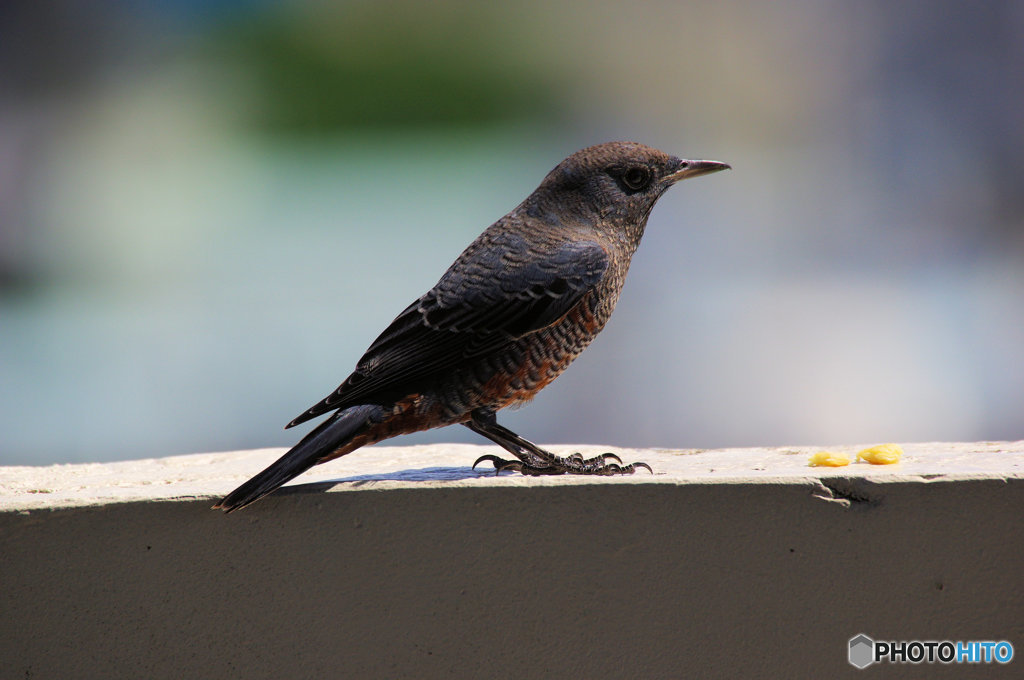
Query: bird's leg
point(534, 460)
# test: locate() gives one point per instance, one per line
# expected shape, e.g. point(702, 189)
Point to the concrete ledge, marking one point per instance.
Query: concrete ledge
point(736, 563)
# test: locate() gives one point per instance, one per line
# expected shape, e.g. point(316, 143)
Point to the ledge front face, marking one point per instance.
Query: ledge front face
point(213, 475)
point(732, 564)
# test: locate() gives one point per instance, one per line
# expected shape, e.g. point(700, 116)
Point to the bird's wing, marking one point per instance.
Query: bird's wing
point(492, 295)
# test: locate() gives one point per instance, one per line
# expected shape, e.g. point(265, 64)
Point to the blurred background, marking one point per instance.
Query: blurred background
point(209, 209)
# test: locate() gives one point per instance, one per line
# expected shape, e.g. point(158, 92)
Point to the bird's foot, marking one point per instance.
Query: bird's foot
point(600, 465)
point(501, 465)
point(575, 464)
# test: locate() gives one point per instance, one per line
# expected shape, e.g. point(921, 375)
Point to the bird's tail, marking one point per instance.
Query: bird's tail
point(325, 439)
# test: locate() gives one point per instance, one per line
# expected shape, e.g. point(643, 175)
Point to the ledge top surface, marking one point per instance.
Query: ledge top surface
point(212, 475)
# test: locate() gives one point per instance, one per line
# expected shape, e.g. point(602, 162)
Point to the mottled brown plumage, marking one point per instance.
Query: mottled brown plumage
point(509, 315)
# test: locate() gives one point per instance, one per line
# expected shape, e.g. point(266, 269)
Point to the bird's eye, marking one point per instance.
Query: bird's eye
point(636, 178)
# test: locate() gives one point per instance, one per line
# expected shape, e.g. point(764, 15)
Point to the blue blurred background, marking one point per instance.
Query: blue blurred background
point(209, 209)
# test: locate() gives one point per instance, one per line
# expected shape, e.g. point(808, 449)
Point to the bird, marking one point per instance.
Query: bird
point(511, 313)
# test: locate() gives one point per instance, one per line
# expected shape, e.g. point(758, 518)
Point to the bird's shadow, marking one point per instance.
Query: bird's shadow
point(428, 474)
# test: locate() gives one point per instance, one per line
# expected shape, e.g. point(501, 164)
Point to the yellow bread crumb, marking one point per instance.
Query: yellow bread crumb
point(829, 459)
point(883, 454)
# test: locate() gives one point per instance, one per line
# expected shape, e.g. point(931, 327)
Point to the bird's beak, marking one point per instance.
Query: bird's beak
point(688, 169)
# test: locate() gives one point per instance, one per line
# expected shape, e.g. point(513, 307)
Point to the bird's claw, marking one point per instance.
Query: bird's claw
point(614, 469)
point(599, 461)
point(499, 463)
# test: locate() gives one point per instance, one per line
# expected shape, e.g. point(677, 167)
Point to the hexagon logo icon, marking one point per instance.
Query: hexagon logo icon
point(862, 651)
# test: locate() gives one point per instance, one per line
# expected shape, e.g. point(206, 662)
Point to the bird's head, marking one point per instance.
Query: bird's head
point(614, 185)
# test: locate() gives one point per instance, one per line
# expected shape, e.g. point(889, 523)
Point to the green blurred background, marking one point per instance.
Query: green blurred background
point(208, 209)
